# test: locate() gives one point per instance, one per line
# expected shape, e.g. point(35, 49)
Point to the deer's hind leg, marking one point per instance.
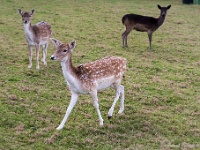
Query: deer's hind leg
point(37, 56)
point(119, 92)
point(121, 88)
point(45, 46)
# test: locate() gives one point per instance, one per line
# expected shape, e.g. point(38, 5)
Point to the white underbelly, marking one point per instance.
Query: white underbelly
point(105, 83)
point(31, 43)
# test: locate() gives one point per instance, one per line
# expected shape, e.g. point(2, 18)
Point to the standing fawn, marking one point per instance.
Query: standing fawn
point(89, 78)
point(36, 35)
point(143, 24)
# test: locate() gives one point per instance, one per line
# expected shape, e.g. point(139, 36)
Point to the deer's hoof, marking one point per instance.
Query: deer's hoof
point(109, 117)
point(120, 111)
point(29, 66)
point(59, 128)
point(44, 61)
point(101, 122)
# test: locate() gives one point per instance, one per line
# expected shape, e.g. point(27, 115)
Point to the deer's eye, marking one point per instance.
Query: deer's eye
point(64, 50)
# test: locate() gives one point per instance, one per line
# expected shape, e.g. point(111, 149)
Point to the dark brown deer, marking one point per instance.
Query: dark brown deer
point(36, 36)
point(143, 24)
point(91, 77)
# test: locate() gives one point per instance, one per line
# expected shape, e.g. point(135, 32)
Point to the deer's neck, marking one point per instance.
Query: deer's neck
point(69, 72)
point(28, 31)
point(161, 19)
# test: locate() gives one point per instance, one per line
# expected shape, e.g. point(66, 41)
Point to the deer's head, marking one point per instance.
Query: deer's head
point(26, 16)
point(63, 51)
point(163, 10)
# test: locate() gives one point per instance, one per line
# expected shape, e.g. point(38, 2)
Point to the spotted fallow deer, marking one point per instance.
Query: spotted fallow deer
point(143, 24)
point(36, 36)
point(91, 77)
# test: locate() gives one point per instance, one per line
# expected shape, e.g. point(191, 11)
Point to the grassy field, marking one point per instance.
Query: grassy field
point(162, 86)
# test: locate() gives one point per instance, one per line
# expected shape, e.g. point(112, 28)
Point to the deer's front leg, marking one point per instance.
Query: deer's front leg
point(150, 38)
point(30, 56)
point(96, 105)
point(73, 101)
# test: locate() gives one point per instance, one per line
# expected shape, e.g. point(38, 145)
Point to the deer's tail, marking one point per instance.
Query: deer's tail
point(123, 19)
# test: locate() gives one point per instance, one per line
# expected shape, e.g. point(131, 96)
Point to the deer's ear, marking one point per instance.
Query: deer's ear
point(55, 42)
point(32, 12)
point(168, 7)
point(20, 11)
point(159, 6)
point(72, 45)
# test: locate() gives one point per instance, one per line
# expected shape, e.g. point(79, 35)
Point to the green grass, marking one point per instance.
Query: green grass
point(162, 86)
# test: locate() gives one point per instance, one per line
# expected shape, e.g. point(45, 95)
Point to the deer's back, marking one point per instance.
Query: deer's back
point(42, 30)
point(102, 73)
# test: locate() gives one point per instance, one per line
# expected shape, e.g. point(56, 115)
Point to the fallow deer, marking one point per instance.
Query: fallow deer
point(91, 77)
point(36, 36)
point(143, 24)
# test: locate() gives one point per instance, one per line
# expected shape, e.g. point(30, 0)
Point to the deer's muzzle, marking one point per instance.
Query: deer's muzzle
point(53, 58)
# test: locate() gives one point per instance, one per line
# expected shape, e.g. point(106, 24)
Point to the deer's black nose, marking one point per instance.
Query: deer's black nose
point(52, 58)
